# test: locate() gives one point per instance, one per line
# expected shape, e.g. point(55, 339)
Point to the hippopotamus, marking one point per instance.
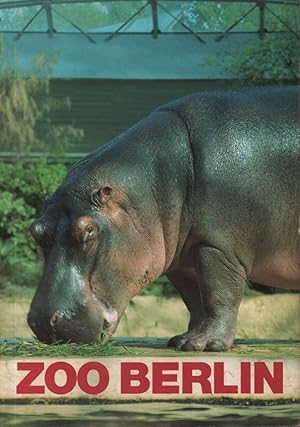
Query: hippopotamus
point(205, 190)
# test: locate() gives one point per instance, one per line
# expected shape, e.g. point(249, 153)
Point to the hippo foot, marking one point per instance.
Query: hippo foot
point(206, 340)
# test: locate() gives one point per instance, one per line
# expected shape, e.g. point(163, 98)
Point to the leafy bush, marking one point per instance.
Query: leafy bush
point(23, 188)
point(25, 125)
point(267, 59)
point(161, 288)
point(26, 107)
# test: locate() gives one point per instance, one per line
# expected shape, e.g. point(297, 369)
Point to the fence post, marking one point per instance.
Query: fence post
point(155, 28)
point(261, 5)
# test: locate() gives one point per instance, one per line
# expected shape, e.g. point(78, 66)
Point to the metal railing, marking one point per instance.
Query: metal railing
point(48, 8)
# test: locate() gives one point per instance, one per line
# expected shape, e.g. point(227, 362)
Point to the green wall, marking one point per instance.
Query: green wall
point(105, 108)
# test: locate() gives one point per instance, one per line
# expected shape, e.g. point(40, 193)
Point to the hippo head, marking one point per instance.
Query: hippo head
point(98, 255)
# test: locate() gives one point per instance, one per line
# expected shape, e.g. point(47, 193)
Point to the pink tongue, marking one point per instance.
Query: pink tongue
point(110, 315)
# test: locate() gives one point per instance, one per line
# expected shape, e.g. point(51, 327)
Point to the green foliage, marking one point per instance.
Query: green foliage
point(161, 288)
point(25, 110)
point(93, 16)
point(25, 106)
point(23, 188)
point(268, 59)
point(214, 16)
point(25, 126)
point(273, 58)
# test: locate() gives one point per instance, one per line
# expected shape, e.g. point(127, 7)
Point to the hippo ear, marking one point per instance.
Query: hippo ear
point(103, 195)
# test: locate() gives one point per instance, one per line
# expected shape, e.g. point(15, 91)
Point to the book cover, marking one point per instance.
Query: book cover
point(183, 217)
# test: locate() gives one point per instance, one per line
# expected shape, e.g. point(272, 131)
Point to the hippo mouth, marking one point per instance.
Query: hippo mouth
point(106, 311)
point(94, 321)
point(63, 329)
point(111, 319)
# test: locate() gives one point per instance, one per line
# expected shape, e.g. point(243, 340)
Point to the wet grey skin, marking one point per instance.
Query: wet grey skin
point(205, 190)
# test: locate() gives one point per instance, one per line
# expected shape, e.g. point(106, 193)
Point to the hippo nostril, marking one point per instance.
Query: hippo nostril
point(54, 319)
point(89, 229)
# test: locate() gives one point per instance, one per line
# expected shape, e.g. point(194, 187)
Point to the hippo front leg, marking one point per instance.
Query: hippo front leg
point(188, 288)
point(221, 284)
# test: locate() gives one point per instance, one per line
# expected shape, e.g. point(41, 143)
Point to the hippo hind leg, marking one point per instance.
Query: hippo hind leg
point(221, 284)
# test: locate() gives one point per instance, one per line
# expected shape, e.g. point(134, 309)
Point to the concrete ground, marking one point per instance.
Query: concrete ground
point(263, 316)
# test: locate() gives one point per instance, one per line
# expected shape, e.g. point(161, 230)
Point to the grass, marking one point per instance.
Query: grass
point(271, 349)
point(37, 349)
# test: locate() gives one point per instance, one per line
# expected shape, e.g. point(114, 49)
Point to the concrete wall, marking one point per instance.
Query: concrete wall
point(129, 56)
